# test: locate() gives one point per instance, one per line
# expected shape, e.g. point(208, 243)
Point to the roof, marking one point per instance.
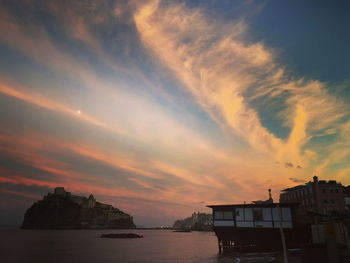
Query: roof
point(295, 187)
point(255, 205)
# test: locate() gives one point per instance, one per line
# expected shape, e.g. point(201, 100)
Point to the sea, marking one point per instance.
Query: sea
point(86, 246)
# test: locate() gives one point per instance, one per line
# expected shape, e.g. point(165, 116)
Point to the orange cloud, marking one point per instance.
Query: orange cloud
point(219, 69)
point(223, 72)
point(47, 103)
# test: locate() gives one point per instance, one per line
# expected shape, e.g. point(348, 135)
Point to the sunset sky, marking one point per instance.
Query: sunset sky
point(162, 107)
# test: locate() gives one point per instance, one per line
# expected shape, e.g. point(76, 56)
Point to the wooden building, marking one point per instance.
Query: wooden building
point(258, 226)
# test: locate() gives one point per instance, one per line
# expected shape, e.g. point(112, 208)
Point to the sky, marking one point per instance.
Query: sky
point(163, 107)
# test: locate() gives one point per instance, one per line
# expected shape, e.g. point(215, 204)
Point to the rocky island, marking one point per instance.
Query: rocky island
point(62, 210)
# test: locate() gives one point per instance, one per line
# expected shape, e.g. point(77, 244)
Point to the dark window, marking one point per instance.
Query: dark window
point(228, 215)
point(332, 201)
point(219, 215)
point(336, 190)
point(257, 214)
point(323, 190)
point(331, 190)
point(325, 201)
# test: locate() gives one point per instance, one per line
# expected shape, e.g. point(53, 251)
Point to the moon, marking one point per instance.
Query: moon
point(79, 112)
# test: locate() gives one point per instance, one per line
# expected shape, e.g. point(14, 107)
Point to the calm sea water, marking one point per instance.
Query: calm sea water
point(86, 246)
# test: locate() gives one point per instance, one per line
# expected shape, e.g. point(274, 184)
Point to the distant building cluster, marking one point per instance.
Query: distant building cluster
point(318, 196)
point(198, 221)
point(202, 218)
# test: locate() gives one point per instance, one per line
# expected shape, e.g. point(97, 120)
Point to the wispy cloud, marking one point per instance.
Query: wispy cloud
point(288, 165)
point(224, 72)
point(296, 180)
point(149, 103)
point(47, 103)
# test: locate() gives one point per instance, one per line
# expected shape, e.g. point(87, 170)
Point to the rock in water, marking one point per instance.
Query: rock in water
point(121, 235)
point(62, 210)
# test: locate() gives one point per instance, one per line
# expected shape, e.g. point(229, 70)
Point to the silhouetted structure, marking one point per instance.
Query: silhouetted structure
point(268, 201)
point(198, 221)
point(61, 209)
point(257, 226)
point(323, 197)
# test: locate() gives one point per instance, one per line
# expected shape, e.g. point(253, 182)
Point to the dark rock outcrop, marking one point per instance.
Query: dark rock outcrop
point(121, 235)
point(62, 210)
point(53, 212)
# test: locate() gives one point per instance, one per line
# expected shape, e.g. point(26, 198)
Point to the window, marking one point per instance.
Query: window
point(228, 215)
point(219, 215)
point(325, 201)
point(323, 190)
point(257, 214)
point(331, 191)
point(332, 201)
point(336, 190)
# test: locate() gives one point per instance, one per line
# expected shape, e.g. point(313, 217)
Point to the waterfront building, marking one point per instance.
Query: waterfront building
point(258, 226)
point(319, 196)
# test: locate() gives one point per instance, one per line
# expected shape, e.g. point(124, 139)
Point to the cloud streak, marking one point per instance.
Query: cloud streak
point(224, 73)
point(174, 104)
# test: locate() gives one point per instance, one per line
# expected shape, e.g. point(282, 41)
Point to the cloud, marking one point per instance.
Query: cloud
point(224, 73)
point(136, 142)
point(47, 103)
point(288, 165)
point(296, 180)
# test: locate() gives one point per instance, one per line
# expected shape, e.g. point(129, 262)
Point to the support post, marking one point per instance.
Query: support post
point(220, 246)
point(285, 257)
point(347, 241)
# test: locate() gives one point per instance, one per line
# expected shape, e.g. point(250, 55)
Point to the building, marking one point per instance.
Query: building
point(202, 219)
point(319, 196)
point(258, 226)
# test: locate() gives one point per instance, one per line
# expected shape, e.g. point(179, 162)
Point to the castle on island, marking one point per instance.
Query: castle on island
point(62, 209)
point(86, 203)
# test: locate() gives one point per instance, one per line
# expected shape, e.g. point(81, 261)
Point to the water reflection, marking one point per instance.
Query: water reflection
point(157, 246)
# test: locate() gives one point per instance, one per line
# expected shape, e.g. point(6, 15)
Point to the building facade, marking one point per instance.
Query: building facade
point(319, 196)
point(258, 226)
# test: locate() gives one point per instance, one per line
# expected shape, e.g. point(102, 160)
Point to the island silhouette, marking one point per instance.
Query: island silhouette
point(63, 210)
